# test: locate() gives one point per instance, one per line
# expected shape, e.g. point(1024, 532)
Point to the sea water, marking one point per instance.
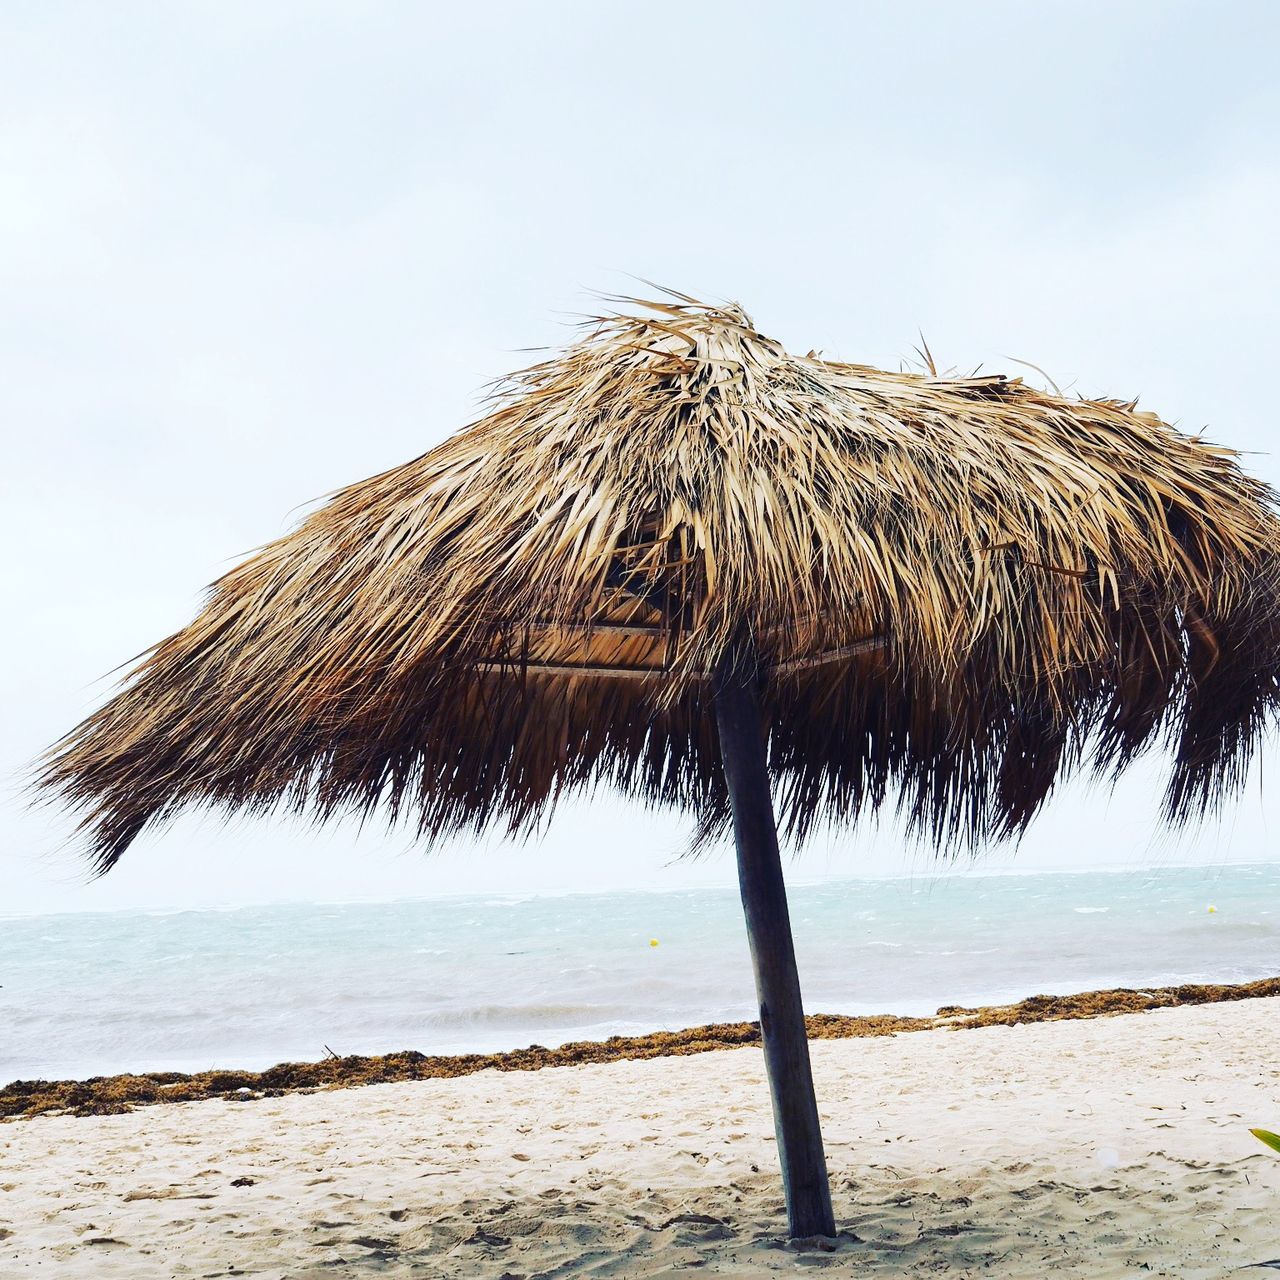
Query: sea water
point(97, 993)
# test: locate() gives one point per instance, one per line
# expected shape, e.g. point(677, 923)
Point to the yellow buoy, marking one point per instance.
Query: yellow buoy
point(653, 942)
point(1212, 909)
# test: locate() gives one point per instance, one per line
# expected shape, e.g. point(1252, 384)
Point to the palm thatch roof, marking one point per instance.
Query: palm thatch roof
point(958, 590)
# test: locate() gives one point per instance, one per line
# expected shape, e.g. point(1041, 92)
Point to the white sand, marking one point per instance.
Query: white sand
point(1110, 1147)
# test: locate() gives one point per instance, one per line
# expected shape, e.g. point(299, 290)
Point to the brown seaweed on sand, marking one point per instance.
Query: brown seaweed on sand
point(107, 1095)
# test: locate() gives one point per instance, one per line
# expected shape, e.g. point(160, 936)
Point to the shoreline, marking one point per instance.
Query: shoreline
point(110, 1095)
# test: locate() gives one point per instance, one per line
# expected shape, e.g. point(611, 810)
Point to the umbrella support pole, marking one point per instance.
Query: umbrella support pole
point(764, 901)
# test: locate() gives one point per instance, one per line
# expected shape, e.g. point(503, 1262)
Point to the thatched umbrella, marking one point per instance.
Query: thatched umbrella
point(680, 561)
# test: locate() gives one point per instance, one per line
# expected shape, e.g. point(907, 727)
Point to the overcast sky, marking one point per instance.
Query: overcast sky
point(252, 251)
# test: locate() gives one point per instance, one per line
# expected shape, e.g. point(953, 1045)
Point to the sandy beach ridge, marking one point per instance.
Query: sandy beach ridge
point(1079, 1146)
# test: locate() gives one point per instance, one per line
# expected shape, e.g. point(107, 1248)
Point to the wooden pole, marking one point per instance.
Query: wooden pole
point(764, 900)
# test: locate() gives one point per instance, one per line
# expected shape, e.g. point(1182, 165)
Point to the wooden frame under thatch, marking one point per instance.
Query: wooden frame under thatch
point(947, 592)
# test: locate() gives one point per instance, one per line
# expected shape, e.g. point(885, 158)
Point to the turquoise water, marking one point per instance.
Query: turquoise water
point(97, 993)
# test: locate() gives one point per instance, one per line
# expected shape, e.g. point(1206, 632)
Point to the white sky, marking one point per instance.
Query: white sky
point(253, 251)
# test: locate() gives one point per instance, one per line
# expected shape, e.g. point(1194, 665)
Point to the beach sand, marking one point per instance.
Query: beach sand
point(1113, 1146)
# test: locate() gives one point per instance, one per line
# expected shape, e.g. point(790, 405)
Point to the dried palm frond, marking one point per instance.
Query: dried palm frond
point(958, 589)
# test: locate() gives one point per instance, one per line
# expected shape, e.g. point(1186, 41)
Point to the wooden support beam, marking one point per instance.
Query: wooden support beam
point(607, 671)
point(514, 667)
point(603, 628)
point(744, 754)
point(829, 655)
